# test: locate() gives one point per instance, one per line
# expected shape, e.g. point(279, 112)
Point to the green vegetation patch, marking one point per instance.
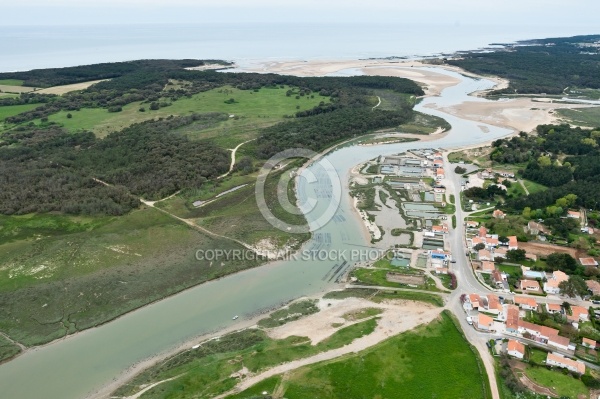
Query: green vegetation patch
point(292, 312)
point(103, 262)
point(206, 371)
point(12, 110)
point(417, 364)
point(262, 107)
point(11, 82)
point(565, 385)
point(362, 314)
point(382, 295)
point(424, 124)
point(589, 117)
point(7, 349)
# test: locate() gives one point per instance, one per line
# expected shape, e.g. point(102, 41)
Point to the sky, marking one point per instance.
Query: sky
point(508, 12)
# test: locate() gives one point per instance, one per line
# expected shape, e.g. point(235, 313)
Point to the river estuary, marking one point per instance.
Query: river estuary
point(77, 365)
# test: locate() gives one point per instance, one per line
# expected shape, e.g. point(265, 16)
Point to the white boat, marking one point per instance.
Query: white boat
point(235, 317)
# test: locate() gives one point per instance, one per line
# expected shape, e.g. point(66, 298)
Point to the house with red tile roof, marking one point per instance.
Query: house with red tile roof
point(513, 243)
point(440, 174)
point(487, 266)
point(472, 224)
point(485, 322)
point(578, 313)
point(560, 342)
point(558, 360)
point(500, 253)
point(482, 232)
point(511, 318)
point(493, 304)
point(500, 280)
point(588, 261)
point(515, 349)
point(574, 214)
point(553, 308)
point(551, 286)
point(593, 286)
point(529, 285)
point(589, 343)
point(443, 229)
point(498, 214)
point(526, 303)
point(484, 254)
point(538, 332)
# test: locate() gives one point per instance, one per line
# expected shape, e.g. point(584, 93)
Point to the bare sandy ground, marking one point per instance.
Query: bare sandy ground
point(520, 114)
point(67, 88)
point(16, 89)
point(397, 317)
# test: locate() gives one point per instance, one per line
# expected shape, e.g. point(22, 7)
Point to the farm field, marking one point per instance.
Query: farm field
point(416, 364)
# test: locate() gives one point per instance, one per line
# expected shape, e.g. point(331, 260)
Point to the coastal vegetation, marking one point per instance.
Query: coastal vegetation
point(207, 371)
point(425, 358)
point(542, 66)
point(560, 157)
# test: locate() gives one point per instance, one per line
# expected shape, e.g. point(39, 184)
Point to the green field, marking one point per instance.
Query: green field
point(563, 385)
point(589, 117)
point(205, 372)
point(377, 277)
point(534, 187)
point(379, 296)
point(237, 214)
point(12, 110)
point(11, 82)
point(252, 110)
point(417, 364)
point(102, 261)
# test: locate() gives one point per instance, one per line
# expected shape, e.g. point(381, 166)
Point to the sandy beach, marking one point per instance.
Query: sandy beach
point(519, 114)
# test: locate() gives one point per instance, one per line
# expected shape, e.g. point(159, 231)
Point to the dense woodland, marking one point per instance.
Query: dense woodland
point(84, 73)
point(563, 158)
point(540, 66)
point(45, 168)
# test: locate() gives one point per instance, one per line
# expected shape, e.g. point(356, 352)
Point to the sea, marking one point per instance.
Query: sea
point(31, 47)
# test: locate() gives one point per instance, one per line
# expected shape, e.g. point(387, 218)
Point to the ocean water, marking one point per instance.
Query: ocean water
point(30, 47)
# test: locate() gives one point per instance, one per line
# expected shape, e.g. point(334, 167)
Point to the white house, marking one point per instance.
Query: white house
point(551, 286)
point(515, 349)
point(555, 359)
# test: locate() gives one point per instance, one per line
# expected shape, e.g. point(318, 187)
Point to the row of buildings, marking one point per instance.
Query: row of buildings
point(495, 316)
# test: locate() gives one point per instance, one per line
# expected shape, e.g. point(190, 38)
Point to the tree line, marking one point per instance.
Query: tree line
point(539, 66)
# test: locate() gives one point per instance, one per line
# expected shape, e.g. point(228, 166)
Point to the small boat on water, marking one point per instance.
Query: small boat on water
point(235, 317)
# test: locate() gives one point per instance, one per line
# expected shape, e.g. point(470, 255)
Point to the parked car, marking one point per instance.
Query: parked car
point(470, 320)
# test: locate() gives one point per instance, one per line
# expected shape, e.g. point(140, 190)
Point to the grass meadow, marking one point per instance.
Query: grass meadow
point(423, 363)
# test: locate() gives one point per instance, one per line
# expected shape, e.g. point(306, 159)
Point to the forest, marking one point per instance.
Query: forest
point(44, 168)
point(50, 170)
point(539, 66)
point(84, 73)
point(561, 157)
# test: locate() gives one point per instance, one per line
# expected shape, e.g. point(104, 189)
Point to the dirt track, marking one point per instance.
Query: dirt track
point(542, 249)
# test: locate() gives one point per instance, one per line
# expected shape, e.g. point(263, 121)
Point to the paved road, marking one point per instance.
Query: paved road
point(468, 282)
